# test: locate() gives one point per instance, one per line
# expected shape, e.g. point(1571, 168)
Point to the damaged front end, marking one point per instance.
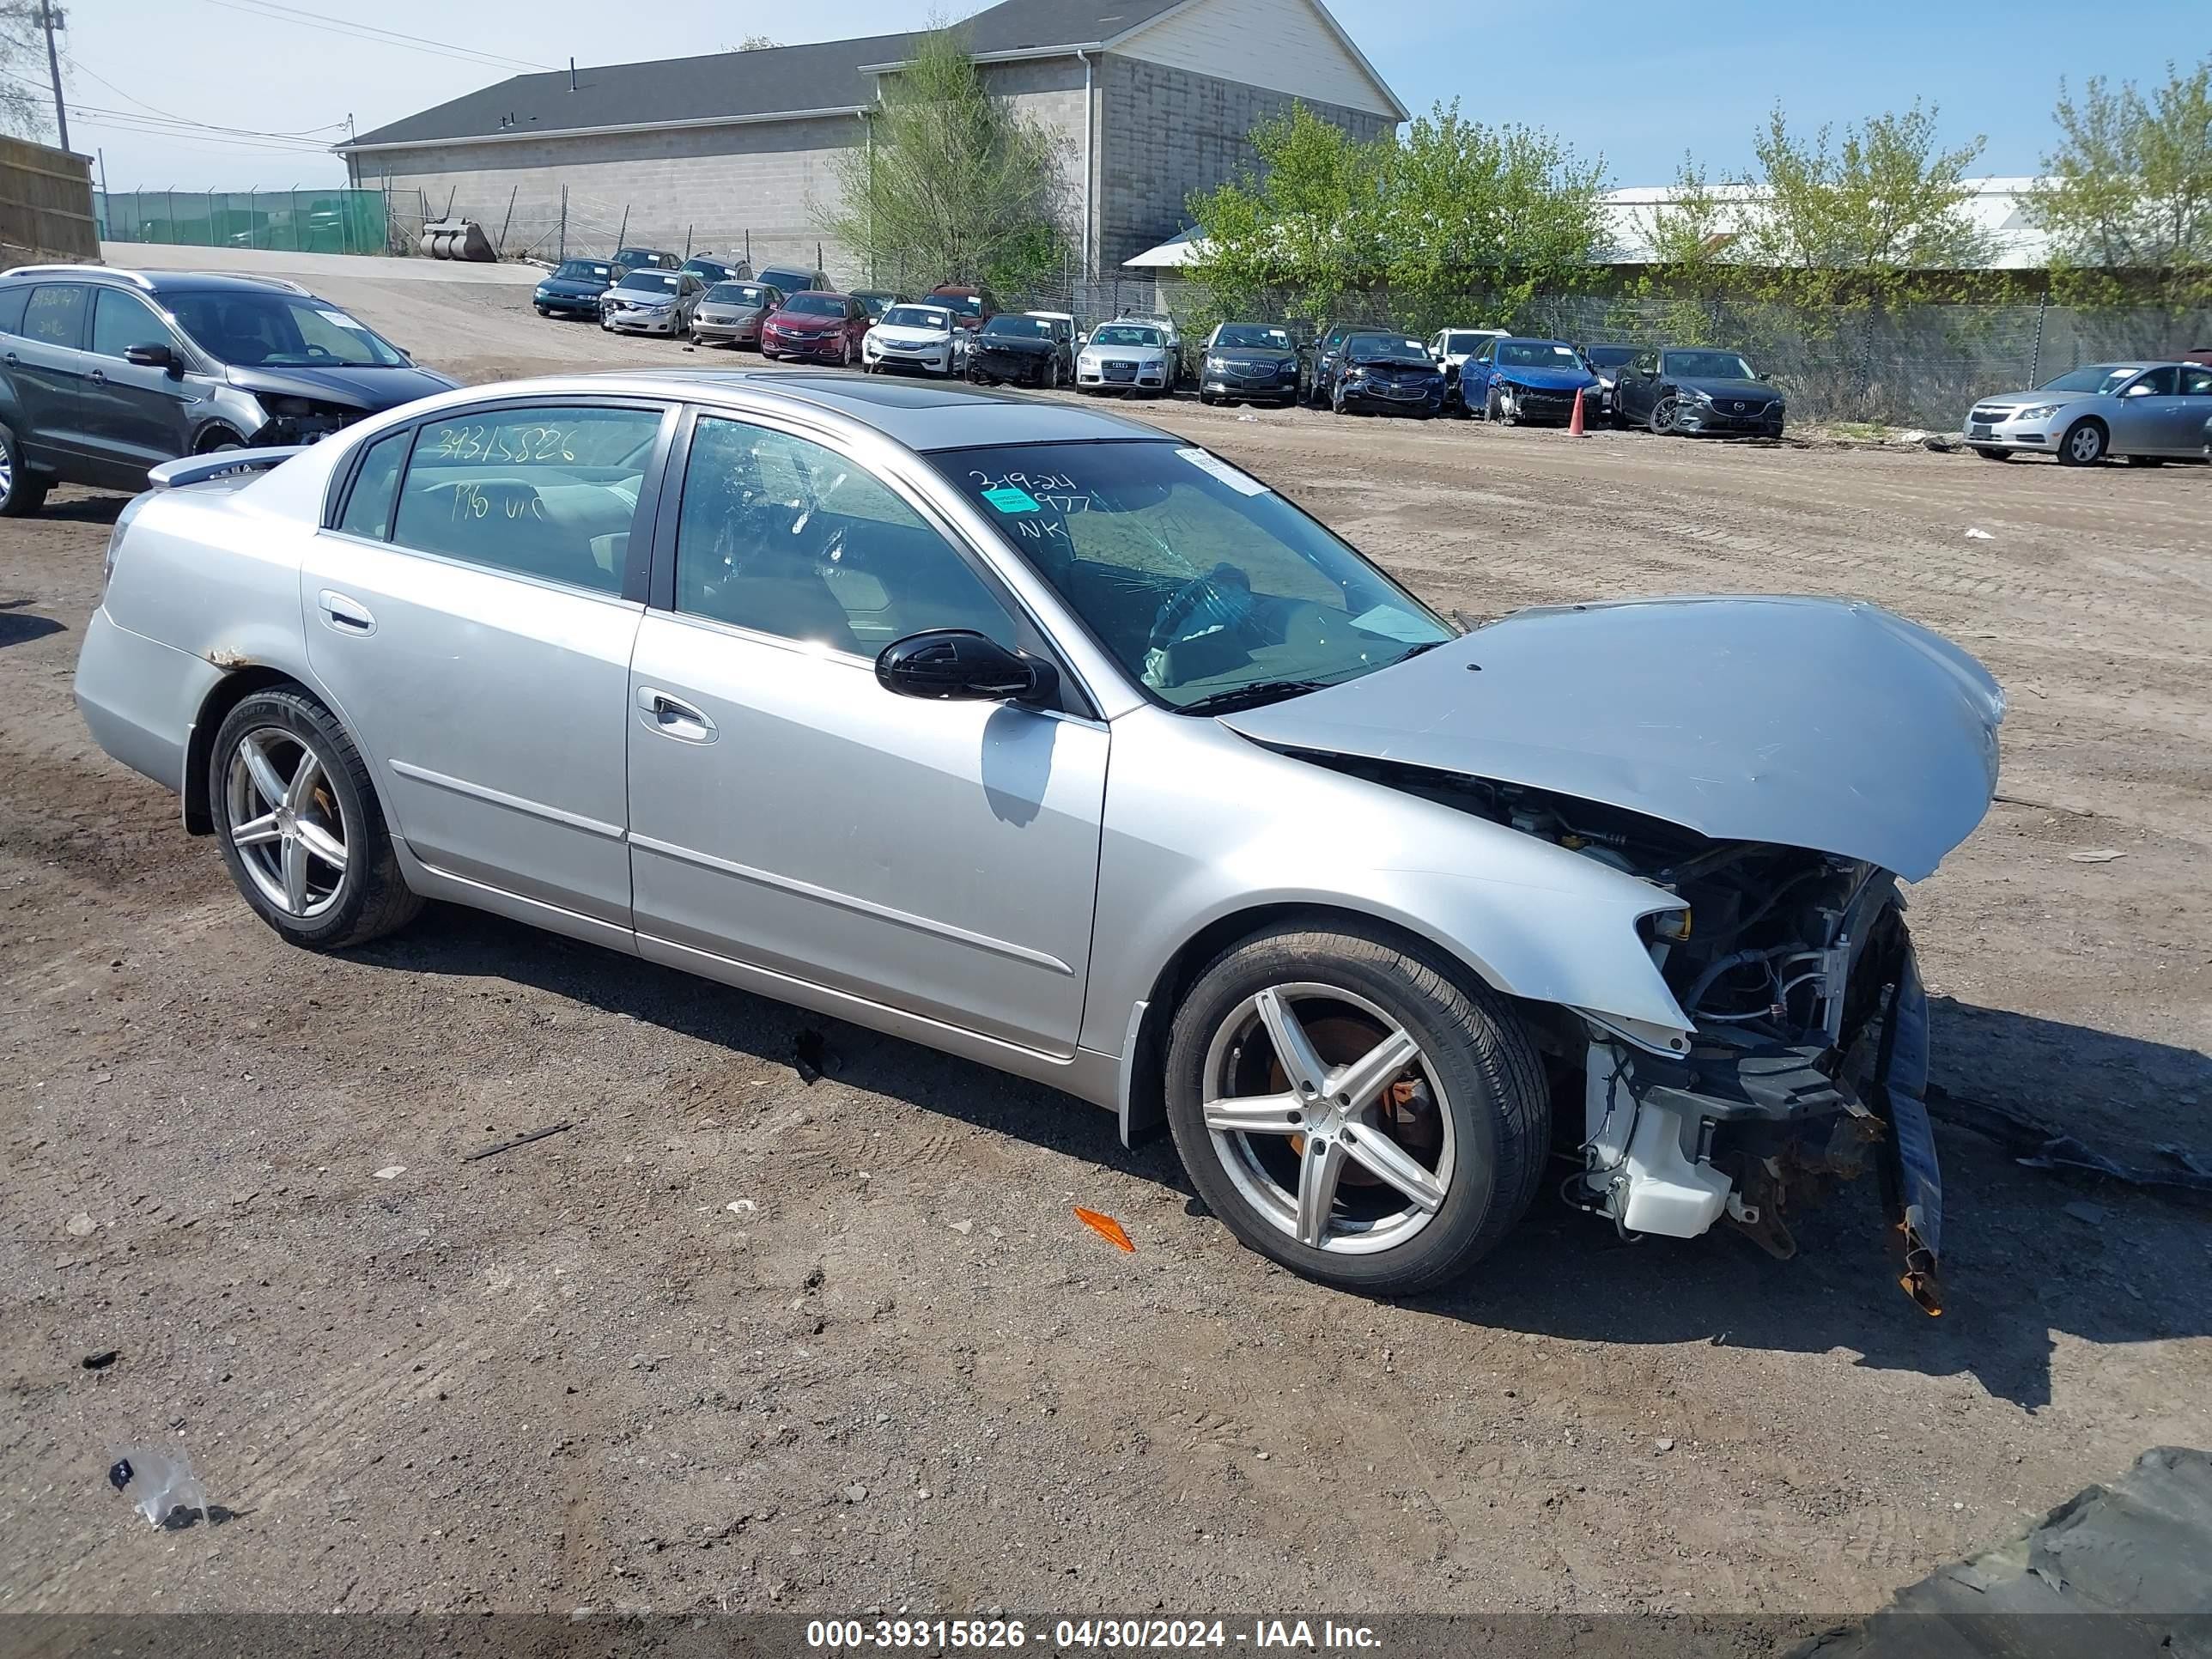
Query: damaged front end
point(1807, 1067)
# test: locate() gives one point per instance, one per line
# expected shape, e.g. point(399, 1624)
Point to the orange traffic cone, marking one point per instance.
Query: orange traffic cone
point(1574, 426)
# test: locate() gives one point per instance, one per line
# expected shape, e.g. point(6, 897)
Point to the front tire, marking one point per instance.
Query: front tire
point(2083, 445)
point(300, 826)
point(1663, 416)
point(1356, 1108)
point(1995, 454)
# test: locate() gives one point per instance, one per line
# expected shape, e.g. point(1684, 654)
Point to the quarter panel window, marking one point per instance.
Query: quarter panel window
point(121, 320)
point(375, 488)
point(784, 536)
point(55, 316)
point(12, 302)
point(549, 492)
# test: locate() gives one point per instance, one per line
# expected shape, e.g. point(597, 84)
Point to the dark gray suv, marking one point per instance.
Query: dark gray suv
point(106, 372)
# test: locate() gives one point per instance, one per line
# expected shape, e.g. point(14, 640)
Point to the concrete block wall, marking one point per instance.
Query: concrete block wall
point(1166, 132)
point(722, 182)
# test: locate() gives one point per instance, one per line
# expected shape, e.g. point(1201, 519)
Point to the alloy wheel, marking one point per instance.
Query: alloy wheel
point(286, 819)
point(1328, 1118)
point(2084, 444)
point(7, 471)
point(1662, 415)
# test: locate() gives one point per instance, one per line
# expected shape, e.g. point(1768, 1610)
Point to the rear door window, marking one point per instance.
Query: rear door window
point(55, 316)
point(550, 491)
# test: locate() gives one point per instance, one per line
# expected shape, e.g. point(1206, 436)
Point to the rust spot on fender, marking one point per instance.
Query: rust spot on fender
point(227, 659)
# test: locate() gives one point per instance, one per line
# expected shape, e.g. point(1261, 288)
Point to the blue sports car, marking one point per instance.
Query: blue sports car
point(1512, 380)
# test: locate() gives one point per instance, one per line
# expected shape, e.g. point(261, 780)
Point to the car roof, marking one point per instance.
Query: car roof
point(917, 414)
point(153, 282)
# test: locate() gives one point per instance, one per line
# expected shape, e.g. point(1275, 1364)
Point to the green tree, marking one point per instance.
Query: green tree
point(1865, 220)
point(1692, 238)
point(1304, 224)
point(954, 185)
point(1493, 215)
point(2129, 190)
point(25, 109)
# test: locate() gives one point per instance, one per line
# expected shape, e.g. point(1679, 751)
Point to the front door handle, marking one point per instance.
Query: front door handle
point(98, 377)
point(672, 717)
point(344, 615)
point(11, 360)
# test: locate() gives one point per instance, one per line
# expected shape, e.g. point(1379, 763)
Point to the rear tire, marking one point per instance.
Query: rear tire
point(1466, 1117)
point(21, 493)
point(318, 865)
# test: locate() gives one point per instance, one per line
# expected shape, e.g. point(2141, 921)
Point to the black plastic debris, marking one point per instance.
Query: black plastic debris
point(2119, 1571)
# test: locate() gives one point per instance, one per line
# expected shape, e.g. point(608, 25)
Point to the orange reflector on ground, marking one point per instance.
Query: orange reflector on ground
point(1106, 1227)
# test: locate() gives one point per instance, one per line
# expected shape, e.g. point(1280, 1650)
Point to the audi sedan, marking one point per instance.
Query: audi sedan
point(1050, 739)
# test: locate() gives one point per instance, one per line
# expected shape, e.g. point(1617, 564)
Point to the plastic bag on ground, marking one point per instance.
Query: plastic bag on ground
point(157, 1482)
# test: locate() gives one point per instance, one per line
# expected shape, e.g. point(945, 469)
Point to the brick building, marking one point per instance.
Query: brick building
point(1151, 100)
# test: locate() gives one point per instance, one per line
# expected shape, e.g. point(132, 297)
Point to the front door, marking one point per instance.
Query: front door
point(788, 813)
point(472, 624)
point(138, 417)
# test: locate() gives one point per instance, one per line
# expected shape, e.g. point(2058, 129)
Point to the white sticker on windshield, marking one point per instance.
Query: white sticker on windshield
point(1242, 484)
point(341, 319)
point(1392, 623)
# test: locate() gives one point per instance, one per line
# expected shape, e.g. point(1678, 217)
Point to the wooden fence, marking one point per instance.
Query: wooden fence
point(45, 204)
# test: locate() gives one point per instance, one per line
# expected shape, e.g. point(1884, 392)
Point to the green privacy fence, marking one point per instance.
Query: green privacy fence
point(297, 221)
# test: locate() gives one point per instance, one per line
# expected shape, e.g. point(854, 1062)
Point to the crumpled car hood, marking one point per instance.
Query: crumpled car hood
point(1546, 380)
point(370, 389)
point(1816, 723)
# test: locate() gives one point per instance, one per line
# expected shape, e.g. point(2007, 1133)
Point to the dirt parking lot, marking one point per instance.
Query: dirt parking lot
point(735, 1341)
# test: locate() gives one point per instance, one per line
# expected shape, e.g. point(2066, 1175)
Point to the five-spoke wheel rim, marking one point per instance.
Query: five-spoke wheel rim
point(7, 471)
point(1328, 1118)
point(285, 818)
point(2085, 443)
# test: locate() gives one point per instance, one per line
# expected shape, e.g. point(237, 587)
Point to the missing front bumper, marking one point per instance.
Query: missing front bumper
point(1751, 1133)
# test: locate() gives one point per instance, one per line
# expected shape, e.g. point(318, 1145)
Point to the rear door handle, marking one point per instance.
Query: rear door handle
point(672, 717)
point(98, 377)
point(344, 615)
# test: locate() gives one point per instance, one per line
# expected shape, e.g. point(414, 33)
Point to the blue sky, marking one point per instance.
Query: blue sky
point(1641, 81)
point(1633, 79)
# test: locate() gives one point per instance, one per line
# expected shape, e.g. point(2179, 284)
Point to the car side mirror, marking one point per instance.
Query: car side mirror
point(2139, 390)
point(957, 665)
point(153, 356)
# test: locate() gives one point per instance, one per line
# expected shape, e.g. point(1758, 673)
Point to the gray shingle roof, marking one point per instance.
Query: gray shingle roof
point(766, 82)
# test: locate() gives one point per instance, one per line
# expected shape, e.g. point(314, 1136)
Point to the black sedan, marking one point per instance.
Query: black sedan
point(1698, 392)
point(1386, 374)
point(573, 288)
point(1247, 362)
point(1038, 351)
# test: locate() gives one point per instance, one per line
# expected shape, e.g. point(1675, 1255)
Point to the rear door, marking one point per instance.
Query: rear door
point(2194, 408)
point(790, 816)
point(47, 363)
point(472, 609)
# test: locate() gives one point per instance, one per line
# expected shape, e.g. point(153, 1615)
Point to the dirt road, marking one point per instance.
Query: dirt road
point(735, 1341)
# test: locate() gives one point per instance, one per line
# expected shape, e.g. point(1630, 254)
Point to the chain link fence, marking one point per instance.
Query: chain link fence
point(295, 221)
point(1912, 366)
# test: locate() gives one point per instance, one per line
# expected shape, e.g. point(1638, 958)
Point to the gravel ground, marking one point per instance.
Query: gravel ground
point(735, 1341)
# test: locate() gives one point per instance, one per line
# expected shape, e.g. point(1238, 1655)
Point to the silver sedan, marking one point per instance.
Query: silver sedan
point(2146, 412)
point(811, 684)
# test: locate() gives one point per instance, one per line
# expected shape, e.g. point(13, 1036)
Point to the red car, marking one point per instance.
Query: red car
point(822, 327)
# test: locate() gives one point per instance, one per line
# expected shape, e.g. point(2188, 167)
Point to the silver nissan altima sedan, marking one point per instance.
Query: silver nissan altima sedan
point(1047, 738)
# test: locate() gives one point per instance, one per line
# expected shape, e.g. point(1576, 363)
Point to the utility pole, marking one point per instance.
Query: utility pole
point(49, 21)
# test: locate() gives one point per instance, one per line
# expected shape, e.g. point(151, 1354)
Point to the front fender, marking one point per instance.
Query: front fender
point(1202, 825)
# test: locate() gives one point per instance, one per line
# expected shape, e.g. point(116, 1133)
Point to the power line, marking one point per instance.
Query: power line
point(272, 12)
point(186, 120)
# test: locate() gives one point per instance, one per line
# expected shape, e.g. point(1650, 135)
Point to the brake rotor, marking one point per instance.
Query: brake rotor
point(1406, 1109)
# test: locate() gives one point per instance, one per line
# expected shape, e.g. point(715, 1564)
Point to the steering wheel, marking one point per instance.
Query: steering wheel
point(1217, 602)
